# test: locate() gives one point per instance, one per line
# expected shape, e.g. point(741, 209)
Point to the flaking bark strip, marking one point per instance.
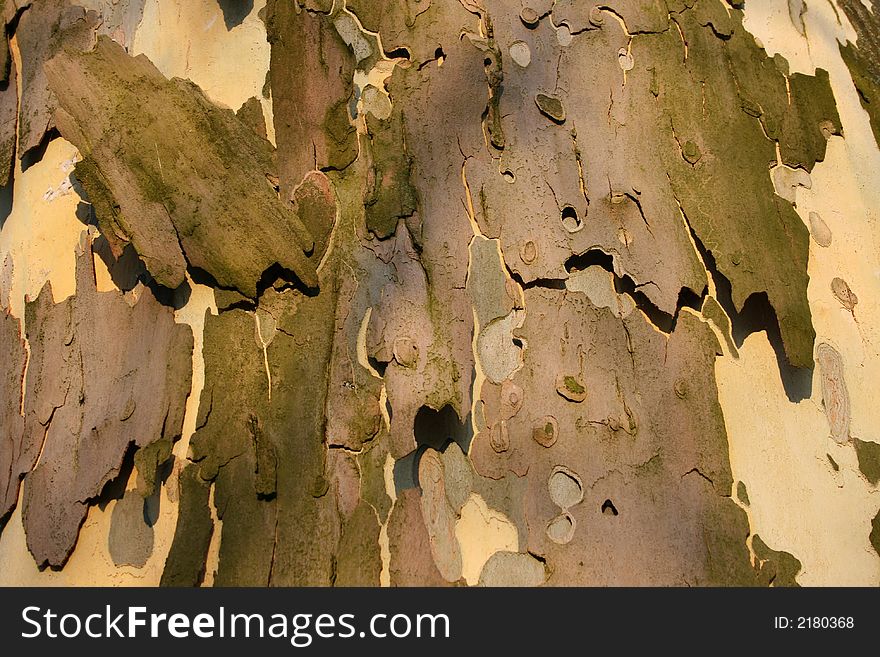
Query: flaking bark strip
point(157, 186)
point(98, 367)
point(187, 558)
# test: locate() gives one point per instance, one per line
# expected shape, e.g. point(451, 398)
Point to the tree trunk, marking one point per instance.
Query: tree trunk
point(440, 292)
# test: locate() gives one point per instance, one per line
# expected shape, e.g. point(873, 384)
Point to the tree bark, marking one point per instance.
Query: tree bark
point(466, 280)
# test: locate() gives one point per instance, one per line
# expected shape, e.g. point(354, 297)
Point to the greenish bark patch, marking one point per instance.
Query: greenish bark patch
point(868, 454)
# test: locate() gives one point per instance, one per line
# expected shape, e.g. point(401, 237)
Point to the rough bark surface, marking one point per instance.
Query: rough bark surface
point(472, 266)
point(105, 371)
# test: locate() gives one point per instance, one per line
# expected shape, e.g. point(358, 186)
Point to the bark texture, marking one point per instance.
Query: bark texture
point(443, 303)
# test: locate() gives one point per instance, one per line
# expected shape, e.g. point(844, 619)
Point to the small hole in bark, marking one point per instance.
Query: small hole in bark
point(609, 509)
point(398, 53)
point(378, 365)
point(436, 428)
point(570, 219)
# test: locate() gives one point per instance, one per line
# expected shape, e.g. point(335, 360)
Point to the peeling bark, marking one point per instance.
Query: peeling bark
point(189, 188)
point(466, 320)
point(105, 372)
